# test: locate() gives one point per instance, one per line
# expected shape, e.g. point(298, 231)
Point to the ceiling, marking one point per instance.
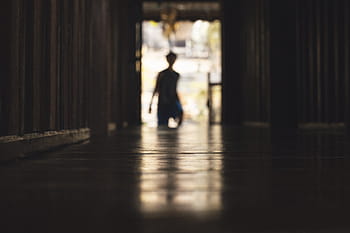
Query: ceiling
point(186, 10)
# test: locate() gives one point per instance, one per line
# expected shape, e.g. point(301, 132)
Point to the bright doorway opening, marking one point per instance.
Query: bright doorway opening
point(198, 46)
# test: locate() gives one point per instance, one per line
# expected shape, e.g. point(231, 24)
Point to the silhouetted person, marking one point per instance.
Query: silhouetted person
point(169, 105)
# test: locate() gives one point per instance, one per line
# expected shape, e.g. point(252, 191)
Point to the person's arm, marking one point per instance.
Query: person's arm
point(177, 95)
point(156, 91)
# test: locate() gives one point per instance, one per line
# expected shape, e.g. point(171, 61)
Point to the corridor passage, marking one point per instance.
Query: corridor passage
point(205, 179)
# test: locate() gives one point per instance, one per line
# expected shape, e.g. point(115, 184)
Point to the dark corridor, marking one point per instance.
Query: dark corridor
point(75, 158)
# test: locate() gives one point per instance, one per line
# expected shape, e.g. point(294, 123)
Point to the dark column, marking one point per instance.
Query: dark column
point(134, 70)
point(129, 80)
point(53, 57)
point(120, 61)
point(37, 57)
point(231, 63)
point(115, 61)
point(124, 65)
point(138, 64)
point(98, 86)
point(347, 63)
point(283, 64)
point(5, 63)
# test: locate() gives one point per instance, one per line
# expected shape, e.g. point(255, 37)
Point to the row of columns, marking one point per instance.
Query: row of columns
point(263, 63)
point(69, 65)
point(110, 86)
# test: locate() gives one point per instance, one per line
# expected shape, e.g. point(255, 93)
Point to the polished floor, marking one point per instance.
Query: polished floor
point(194, 179)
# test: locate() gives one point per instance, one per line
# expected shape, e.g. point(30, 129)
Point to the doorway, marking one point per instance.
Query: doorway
point(197, 43)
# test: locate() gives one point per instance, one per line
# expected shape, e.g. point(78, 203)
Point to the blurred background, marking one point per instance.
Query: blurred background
point(198, 46)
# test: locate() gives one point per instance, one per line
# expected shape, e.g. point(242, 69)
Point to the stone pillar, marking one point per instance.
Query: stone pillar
point(283, 42)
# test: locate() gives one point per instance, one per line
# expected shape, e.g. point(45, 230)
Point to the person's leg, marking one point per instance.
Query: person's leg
point(179, 113)
point(180, 118)
point(162, 119)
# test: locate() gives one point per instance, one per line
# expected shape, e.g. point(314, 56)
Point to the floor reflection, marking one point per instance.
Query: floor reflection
point(183, 176)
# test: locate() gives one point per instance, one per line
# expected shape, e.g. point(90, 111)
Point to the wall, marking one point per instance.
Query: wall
point(256, 58)
point(323, 61)
point(293, 62)
point(67, 65)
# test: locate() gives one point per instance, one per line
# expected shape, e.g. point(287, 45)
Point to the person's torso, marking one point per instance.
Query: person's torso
point(167, 86)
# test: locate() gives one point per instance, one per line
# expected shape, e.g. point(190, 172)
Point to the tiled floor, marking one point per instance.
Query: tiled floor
point(194, 179)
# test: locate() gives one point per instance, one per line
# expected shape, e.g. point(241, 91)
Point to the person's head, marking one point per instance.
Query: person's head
point(171, 58)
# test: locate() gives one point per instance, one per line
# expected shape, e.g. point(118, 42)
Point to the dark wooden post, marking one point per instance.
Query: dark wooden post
point(116, 59)
point(347, 63)
point(231, 62)
point(98, 80)
point(283, 42)
point(5, 64)
point(129, 58)
point(138, 60)
point(132, 76)
point(125, 61)
point(120, 63)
